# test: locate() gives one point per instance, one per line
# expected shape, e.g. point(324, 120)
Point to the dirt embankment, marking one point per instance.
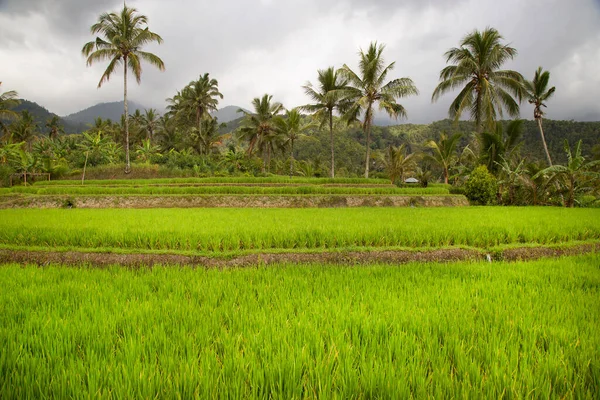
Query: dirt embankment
point(342, 257)
point(260, 201)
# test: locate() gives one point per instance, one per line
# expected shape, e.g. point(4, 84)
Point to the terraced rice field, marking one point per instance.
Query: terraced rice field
point(462, 330)
point(212, 231)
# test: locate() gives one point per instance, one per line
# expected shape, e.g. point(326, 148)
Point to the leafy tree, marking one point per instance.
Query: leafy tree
point(481, 187)
point(96, 145)
point(444, 152)
point(55, 127)
point(575, 174)
point(369, 86)
point(8, 100)
point(150, 121)
point(533, 185)
point(328, 96)
point(25, 163)
point(147, 151)
point(486, 90)
point(537, 91)
point(122, 37)
point(167, 134)
point(25, 129)
point(291, 128)
point(500, 144)
point(398, 163)
point(258, 127)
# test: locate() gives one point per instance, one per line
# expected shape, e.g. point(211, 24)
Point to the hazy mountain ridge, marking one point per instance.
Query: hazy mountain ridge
point(112, 110)
point(41, 115)
point(228, 114)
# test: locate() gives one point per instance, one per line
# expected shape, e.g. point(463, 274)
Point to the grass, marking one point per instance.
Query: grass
point(208, 190)
point(231, 230)
point(231, 179)
point(461, 330)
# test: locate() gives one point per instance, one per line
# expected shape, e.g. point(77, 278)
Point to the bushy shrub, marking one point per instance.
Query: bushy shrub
point(481, 187)
point(5, 172)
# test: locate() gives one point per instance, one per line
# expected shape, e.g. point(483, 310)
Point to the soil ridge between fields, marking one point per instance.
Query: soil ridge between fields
point(339, 257)
point(235, 201)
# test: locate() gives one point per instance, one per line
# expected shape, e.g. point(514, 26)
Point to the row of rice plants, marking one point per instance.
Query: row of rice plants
point(218, 230)
point(242, 190)
point(462, 330)
point(230, 179)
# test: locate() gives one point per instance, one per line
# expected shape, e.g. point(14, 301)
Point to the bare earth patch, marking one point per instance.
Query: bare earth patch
point(342, 257)
point(237, 201)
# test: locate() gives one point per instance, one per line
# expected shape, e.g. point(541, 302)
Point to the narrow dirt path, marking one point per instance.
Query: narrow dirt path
point(343, 257)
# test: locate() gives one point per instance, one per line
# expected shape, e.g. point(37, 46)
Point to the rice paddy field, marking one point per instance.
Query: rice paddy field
point(217, 230)
point(458, 330)
point(311, 330)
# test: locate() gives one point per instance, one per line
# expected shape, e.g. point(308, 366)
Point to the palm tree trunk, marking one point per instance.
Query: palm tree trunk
point(84, 165)
point(445, 175)
point(539, 121)
point(292, 159)
point(332, 148)
point(127, 163)
point(368, 129)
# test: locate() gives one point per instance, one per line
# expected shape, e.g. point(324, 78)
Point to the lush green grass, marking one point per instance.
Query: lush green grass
point(218, 230)
point(231, 179)
point(425, 330)
point(244, 190)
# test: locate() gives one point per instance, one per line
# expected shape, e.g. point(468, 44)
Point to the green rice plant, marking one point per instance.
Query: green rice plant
point(457, 330)
point(233, 179)
point(235, 190)
point(230, 229)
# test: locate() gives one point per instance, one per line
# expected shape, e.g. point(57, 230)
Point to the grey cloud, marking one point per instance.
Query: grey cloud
point(258, 46)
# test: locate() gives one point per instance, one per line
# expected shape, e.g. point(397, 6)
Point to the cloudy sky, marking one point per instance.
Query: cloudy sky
point(254, 47)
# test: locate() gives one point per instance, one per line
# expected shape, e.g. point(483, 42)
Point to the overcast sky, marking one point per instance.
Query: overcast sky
point(254, 47)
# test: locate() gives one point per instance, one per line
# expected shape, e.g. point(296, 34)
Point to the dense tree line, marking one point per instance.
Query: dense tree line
point(539, 162)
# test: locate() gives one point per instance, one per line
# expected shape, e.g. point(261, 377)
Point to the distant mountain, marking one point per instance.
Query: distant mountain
point(112, 111)
point(41, 115)
point(228, 114)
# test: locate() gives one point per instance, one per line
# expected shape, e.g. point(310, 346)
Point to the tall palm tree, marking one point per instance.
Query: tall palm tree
point(537, 92)
point(258, 127)
point(444, 152)
point(328, 96)
point(8, 100)
point(25, 129)
point(55, 127)
point(150, 120)
point(122, 37)
point(369, 86)
point(291, 128)
point(199, 98)
point(486, 90)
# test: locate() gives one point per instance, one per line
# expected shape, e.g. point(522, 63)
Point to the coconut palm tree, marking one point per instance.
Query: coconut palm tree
point(291, 128)
point(575, 174)
point(199, 98)
point(122, 37)
point(258, 127)
point(55, 127)
point(369, 86)
point(150, 121)
point(25, 129)
point(537, 92)
point(397, 163)
point(444, 152)
point(328, 96)
point(8, 100)
point(500, 144)
point(485, 89)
